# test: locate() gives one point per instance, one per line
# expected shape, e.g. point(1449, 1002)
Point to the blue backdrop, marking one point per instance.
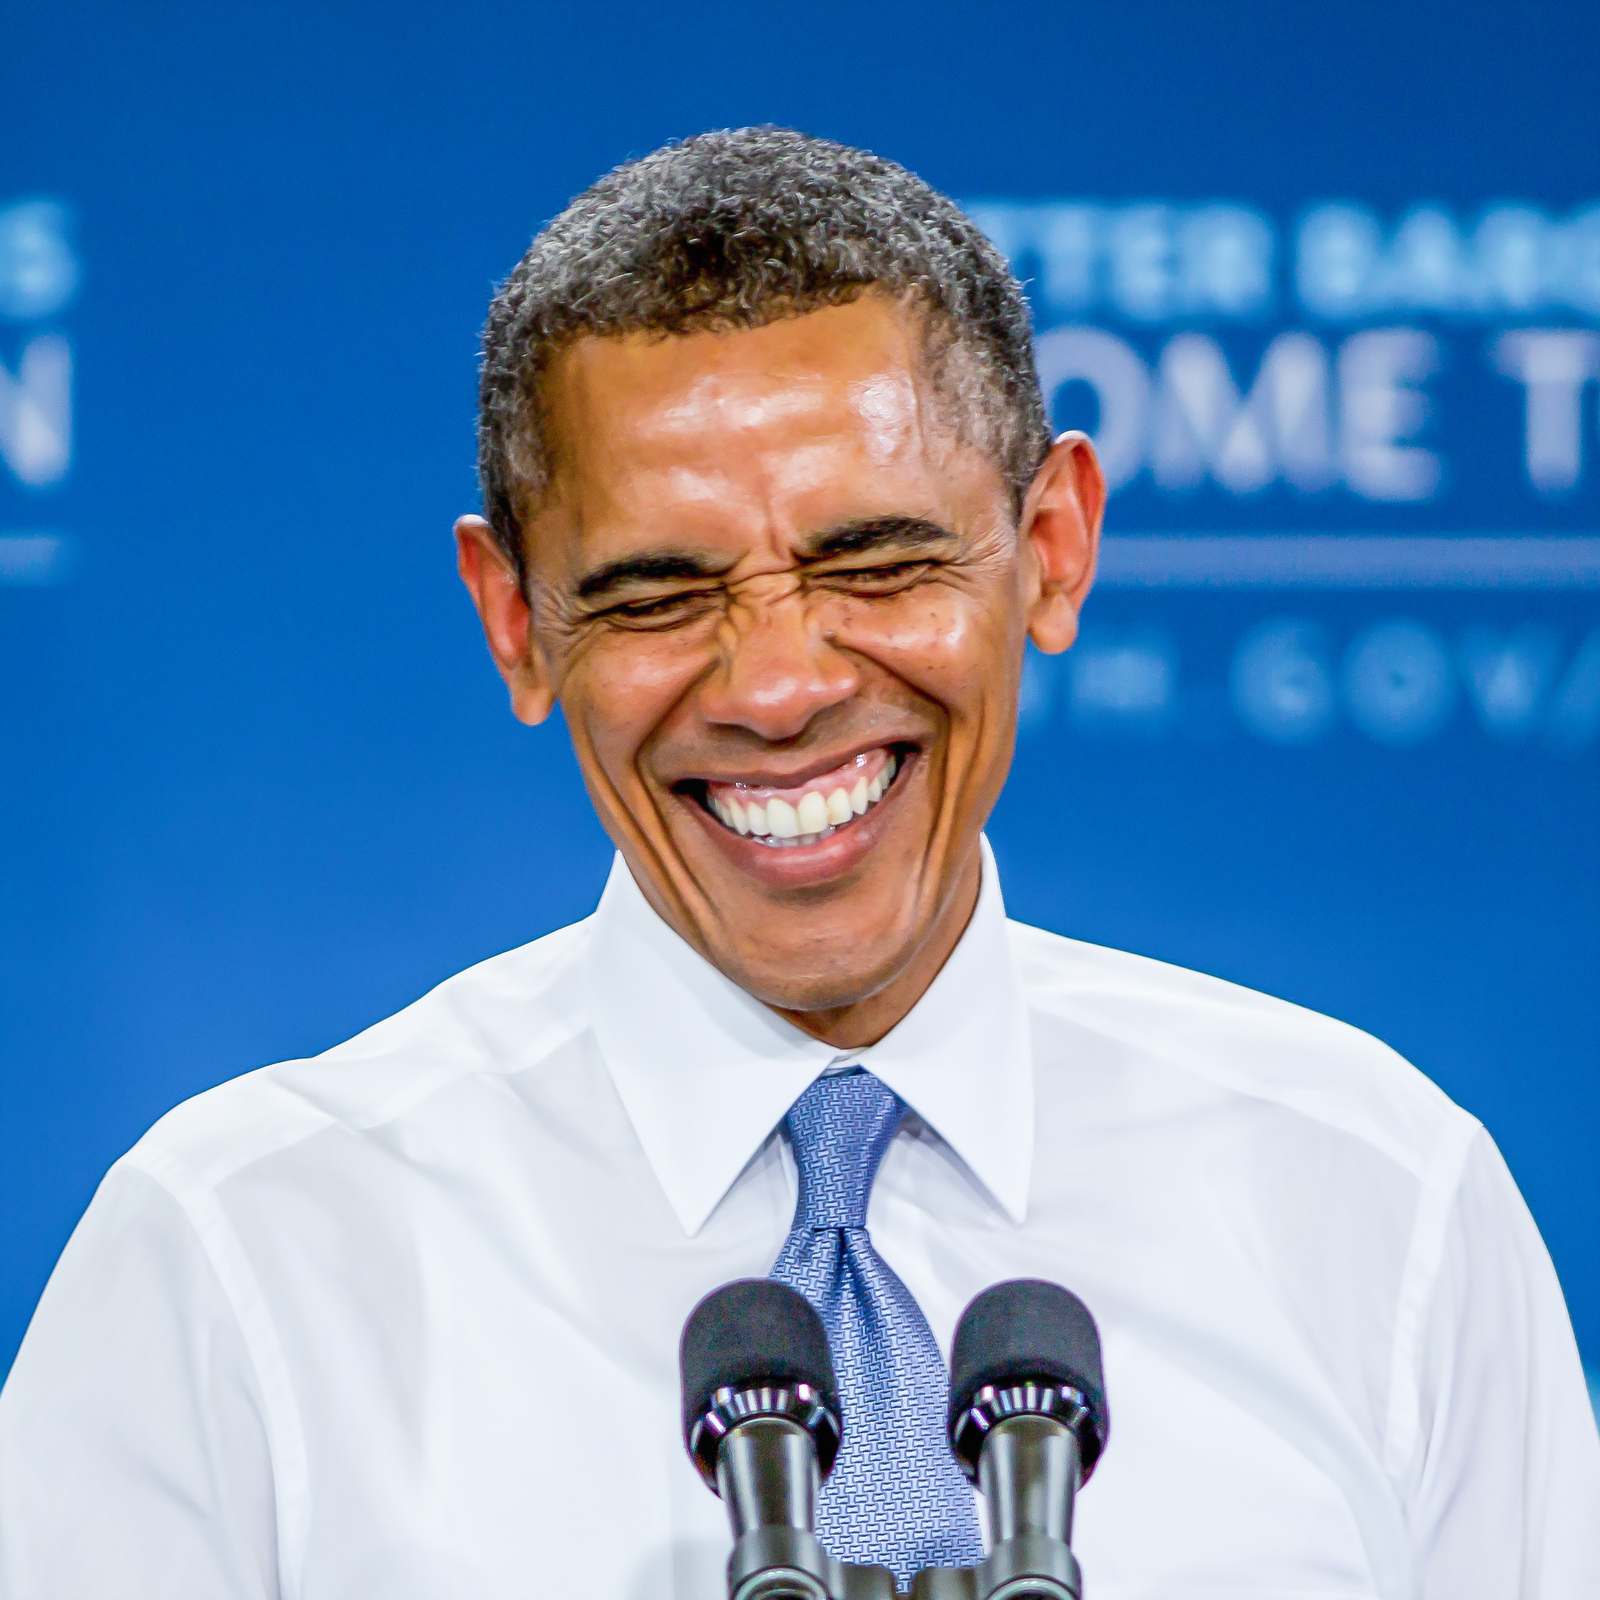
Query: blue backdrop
point(1325, 283)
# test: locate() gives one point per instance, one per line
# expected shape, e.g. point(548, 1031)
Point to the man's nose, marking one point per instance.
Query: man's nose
point(778, 669)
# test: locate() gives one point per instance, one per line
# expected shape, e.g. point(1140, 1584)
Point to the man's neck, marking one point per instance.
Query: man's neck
point(864, 1022)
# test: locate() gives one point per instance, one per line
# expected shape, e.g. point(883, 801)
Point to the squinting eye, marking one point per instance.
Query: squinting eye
point(665, 609)
point(888, 577)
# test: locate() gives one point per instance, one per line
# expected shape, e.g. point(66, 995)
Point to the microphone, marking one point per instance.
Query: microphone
point(1028, 1422)
point(761, 1422)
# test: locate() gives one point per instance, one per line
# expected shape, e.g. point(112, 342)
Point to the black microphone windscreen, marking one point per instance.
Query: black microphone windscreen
point(1028, 1329)
point(754, 1330)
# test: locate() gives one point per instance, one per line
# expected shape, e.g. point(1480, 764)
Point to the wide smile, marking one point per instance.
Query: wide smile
point(804, 814)
point(808, 828)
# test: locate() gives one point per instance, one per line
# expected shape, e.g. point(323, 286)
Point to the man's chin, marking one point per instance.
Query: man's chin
point(799, 987)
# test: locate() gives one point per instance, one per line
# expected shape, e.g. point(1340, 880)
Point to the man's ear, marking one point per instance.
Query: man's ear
point(491, 580)
point(1061, 522)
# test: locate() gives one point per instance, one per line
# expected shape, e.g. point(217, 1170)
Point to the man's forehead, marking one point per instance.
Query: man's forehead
point(649, 400)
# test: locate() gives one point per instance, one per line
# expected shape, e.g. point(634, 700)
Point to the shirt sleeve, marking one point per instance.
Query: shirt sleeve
point(134, 1456)
point(1507, 1471)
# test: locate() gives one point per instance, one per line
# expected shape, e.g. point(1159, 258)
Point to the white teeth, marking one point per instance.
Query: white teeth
point(812, 812)
point(812, 817)
point(781, 819)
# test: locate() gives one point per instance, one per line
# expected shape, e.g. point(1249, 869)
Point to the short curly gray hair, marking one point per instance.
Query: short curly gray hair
point(736, 229)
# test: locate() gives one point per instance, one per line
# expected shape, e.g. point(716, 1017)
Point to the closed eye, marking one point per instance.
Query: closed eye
point(661, 610)
point(887, 577)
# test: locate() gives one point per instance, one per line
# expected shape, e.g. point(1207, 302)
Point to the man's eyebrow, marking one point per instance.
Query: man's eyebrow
point(875, 533)
point(610, 576)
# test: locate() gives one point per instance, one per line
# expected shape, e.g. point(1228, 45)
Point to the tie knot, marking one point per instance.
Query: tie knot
point(840, 1128)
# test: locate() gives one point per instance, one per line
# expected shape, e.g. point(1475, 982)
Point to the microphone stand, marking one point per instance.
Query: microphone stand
point(1029, 1473)
point(767, 1477)
point(1028, 1470)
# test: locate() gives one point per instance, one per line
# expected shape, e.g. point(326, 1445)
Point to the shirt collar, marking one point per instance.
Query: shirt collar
point(705, 1071)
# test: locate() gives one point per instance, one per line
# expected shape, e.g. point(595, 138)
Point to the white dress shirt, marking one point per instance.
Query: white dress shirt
point(402, 1321)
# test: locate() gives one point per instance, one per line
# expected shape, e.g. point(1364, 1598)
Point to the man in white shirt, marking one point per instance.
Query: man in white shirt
point(771, 511)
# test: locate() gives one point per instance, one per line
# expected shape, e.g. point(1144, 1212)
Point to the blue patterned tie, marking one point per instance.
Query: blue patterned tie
point(896, 1496)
